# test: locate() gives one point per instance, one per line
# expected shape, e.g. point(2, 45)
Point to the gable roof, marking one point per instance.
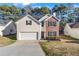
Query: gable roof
point(37, 15)
point(3, 22)
point(46, 17)
point(74, 25)
point(32, 18)
point(2, 27)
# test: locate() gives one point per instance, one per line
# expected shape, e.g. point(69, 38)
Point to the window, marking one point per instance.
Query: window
point(50, 23)
point(11, 30)
point(42, 23)
point(54, 23)
point(49, 33)
point(28, 22)
point(54, 33)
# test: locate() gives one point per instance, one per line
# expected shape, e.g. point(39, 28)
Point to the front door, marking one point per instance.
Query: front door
point(42, 34)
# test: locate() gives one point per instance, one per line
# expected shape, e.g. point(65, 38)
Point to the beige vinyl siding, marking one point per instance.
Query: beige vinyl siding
point(7, 31)
point(73, 32)
point(22, 27)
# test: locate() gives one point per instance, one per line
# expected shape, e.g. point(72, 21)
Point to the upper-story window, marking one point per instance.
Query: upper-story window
point(42, 23)
point(28, 22)
point(50, 23)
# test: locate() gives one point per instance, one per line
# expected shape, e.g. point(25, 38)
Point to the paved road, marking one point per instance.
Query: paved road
point(22, 48)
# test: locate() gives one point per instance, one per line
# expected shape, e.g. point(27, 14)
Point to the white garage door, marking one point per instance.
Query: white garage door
point(28, 36)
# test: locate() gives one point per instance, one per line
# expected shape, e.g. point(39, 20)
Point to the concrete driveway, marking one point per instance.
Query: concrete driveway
point(22, 48)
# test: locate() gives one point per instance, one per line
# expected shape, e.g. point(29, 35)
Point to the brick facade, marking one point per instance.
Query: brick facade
point(51, 28)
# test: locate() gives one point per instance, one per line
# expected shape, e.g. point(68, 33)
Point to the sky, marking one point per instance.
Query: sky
point(49, 5)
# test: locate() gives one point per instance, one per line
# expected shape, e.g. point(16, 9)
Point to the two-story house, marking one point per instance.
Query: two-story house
point(49, 26)
point(29, 28)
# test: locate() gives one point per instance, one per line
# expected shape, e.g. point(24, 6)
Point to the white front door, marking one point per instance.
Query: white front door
point(28, 36)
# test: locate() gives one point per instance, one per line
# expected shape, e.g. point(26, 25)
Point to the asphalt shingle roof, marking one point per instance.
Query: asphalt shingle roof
point(74, 25)
point(3, 22)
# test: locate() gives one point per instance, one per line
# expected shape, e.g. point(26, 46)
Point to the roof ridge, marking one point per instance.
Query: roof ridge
point(30, 17)
point(33, 17)
point(46, 16)
point(7, 24)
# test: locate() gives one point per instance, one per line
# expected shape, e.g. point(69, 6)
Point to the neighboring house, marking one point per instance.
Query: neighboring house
point(7, 27)
point(77, 17)
point(72, 29)
point(1, 16)
point(29, 28)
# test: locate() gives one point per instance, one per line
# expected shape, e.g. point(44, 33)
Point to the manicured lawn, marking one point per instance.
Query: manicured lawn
point(67, 47)
point(7, 40)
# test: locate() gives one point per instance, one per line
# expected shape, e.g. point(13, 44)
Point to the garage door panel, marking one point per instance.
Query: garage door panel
point(28, 36)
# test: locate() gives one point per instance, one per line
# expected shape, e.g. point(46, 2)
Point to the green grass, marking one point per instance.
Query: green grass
point(7, 40)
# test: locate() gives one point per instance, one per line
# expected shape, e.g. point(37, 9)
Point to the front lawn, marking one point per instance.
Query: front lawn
point(60, 49)
point(66, 47)
point(67, 37)
point(7, 40)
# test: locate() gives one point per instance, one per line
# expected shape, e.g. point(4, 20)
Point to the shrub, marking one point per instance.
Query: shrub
point(52, 38)
point(68, 37)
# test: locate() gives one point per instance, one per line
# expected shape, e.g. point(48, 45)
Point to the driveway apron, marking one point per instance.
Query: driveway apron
point(22, 48)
